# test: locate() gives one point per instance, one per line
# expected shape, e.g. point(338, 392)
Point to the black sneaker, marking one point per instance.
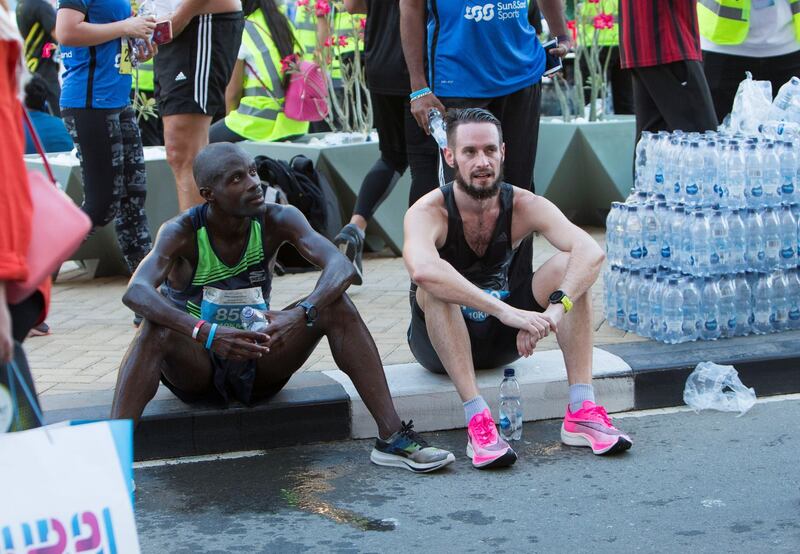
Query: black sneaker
point(408, 450)
point(350, 243)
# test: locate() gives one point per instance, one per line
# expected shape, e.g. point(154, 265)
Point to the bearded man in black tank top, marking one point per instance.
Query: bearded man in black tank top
point(474, 306)
point(214, 262)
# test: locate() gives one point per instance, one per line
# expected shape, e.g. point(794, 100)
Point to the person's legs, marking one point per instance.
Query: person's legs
point(184, 136)
point(621, 85)
point(723, 73)
point(423, 159)
point(519, 115)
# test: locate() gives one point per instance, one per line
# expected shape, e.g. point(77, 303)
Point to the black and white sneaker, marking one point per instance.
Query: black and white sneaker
point(407, 449)
point(350, 243)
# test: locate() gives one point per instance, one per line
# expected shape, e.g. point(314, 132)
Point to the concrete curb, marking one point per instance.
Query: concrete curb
point(323, 406)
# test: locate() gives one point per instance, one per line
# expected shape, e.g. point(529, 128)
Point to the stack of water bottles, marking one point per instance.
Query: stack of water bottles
point(707, 244)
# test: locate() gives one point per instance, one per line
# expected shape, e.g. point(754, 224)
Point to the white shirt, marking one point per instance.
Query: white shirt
point(771, 32)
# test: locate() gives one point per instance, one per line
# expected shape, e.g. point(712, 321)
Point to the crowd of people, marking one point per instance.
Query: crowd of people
point(220, 77)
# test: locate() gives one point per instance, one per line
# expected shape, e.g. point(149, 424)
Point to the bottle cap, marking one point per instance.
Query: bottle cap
point(508, 372)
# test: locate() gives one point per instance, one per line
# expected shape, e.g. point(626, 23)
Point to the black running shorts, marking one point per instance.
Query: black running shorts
point(192, 71)
point(493, 344)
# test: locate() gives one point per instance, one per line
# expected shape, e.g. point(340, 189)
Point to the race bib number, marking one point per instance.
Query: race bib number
point(471, 314)
point(224, 307)
point(125, 66)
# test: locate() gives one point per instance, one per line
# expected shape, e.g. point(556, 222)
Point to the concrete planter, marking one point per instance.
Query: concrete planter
point(583, 167)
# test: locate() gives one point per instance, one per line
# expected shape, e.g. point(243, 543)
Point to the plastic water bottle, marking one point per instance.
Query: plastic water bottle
point(720, 245)
point(754, 253)
point(632, 300)
point(726, 306)
point(771, 175)
point(709, 310)
point(754, 189)
point(698, 245)
point(780, 129)
point(793, 294)
point(743, 305)
point(788, 236)
point(656, 301)
point(772, 240)
point(254, 320)
point(737, 242)
point(690, 326)
point(664, 220)
point(633, 239)
point(437, 128)
point(781, 106)
point(610, 277)
point(643, 304)
point(510, 407)
point(611, 233)
point(762, 304)
point(660, 148)
point(788, 163)
point(620, 290)
point(692, 176)
point(735, 175)
point(651, 237)
point(796, 214)
point(711, 162)
point(672, 308)
point(641, 182)
point(779, 305)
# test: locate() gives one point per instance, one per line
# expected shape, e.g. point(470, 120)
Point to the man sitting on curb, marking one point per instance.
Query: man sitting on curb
point(474, 306)
point(214, 260)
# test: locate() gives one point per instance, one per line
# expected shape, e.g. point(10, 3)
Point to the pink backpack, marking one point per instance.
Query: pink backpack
point(307, 94)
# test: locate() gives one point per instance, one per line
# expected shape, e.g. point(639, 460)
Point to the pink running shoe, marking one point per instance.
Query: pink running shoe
point(591, 426)
point(485, 446)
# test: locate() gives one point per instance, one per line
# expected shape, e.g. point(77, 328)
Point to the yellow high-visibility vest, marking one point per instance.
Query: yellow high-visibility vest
point(260, 114)
point(727, 22)
point(143, 74)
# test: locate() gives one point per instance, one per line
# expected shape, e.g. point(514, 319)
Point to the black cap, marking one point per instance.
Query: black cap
point(508, 372)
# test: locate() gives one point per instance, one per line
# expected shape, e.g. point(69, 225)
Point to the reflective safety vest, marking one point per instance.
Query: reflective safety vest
point(143, 74)
point(728, 21)
point(306, 25)
point(260, 114)
point(586, 28)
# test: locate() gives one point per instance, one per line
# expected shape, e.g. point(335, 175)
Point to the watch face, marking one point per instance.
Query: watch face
point(311, 313)
point(556, 296)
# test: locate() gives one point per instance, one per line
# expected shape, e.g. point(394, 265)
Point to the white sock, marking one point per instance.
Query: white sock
point(578, 393)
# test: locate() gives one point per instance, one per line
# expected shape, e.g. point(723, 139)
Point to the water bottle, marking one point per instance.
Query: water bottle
point(772, 240)
point(510, 407)
point(632, 299)
point(643, 304)
point(145, 9)
point(652, 238)
point(620, 290)
point(660, 148)
point(781, 106)
point(612, 237)
point(754, 252)
point(698, 246)
point(679, 232)
point(642, 147)
point(664, 222)
point(672, 309)
point(722, 174)
point(788, 237)
point(779, 305)
point(720, 244)
point(737, 242)
point(771, 175)
point(633, 239)
point(710, 310)
point(254, 320)
point(743, 305)
point(780, 129)
point(690, 326)
point(437, 128)
point(692, 176)
point(610, 277)
point(735, 175)
point(793, 294)
point(762, 304)
point(711, 188)
point(788, 163)
point(795, 208)
point(727, 306)
point(754, 188)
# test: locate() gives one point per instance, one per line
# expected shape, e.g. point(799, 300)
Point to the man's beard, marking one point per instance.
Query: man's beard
point(479, 193)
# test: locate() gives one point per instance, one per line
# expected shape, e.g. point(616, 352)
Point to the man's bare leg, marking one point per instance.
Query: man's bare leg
point(184, 136)
point(154, 350)
point(575, 329)
point(450, 339)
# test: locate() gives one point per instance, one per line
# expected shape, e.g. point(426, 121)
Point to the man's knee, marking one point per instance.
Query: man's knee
point(155, 336)
point(340, 311)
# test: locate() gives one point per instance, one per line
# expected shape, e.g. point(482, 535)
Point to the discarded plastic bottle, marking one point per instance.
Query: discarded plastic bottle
point(254, 320)
point(510, 407)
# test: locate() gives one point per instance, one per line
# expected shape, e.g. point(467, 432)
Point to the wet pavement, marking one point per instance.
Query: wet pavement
point(702, 483)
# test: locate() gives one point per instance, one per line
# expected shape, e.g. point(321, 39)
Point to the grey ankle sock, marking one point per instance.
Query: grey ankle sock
point(578, 393)
point(474, 407)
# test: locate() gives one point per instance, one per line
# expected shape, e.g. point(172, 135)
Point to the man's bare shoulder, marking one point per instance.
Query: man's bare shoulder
point(175, 233)
point(431, 205)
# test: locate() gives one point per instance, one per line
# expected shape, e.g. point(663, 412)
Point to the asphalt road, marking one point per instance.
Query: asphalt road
point(691, 483)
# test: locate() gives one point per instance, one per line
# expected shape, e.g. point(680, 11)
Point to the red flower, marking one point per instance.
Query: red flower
point(322, 8)
point(603, 21)
point(363, 23)
point(342, 41)
point(301, 3)
point(289, 62)
point(330, 41)
point(573, 27)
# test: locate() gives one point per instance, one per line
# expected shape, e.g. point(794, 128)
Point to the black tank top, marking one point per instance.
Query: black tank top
point(489, 272)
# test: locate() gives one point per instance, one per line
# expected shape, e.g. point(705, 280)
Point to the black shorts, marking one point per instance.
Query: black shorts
point(493, 344)
point(192, 71)
point(389, 114)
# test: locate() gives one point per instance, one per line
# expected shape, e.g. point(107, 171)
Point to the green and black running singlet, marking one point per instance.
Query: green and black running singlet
point(218, 293)
point(492, 272)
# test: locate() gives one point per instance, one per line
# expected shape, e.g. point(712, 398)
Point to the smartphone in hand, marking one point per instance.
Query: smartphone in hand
point(163, 32)
point(552, 62)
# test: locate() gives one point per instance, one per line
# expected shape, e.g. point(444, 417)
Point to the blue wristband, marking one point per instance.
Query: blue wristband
point(420, 92)
point(211, 334)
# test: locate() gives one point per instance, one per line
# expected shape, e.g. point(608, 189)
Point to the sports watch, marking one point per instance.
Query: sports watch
point(558, 297)
point(310, 311)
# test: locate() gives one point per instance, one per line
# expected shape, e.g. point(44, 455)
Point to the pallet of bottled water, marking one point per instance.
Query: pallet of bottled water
point(707, 244)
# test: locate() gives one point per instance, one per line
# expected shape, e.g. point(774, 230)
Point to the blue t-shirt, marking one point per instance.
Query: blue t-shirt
point(481, 49)
point(91, 77)
point(51, 131)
